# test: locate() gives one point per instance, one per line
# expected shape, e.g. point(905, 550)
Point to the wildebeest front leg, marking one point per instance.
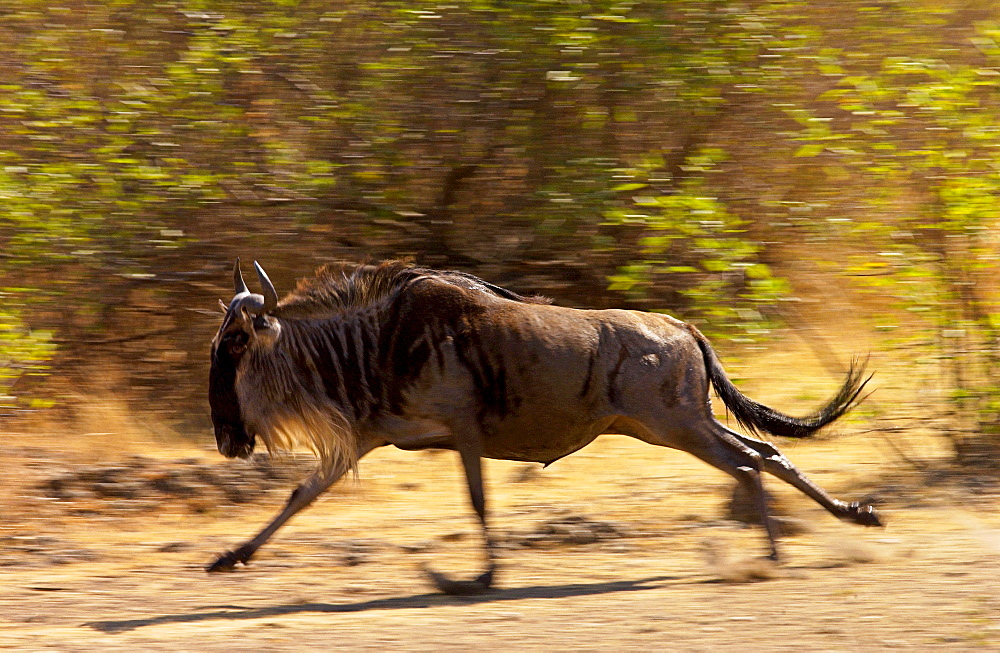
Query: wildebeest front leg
point(303, 495)
point(472, 463)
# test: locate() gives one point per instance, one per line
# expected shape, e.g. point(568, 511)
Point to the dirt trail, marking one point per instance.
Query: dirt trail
point(621, 546)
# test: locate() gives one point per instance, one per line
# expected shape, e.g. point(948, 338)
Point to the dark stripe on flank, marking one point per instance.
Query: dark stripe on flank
point(588, 381)
point(612, 380)
point(490, 380)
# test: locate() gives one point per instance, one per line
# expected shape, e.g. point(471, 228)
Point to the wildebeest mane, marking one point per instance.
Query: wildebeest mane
point(340, 287)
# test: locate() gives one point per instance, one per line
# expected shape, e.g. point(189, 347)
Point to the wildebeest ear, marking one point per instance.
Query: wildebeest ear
point(246, 322)
point(223, 306)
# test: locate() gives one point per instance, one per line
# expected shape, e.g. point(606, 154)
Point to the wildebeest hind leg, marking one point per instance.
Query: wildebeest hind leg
point(775, 463)
point(472, 463)
point(743, 463)
point(303, 495)
point(709, 441)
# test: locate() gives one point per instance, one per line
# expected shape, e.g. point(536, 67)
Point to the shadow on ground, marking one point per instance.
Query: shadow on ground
point(398, 603)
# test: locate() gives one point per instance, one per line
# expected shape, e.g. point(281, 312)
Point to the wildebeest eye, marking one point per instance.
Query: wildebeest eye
point(235, 342)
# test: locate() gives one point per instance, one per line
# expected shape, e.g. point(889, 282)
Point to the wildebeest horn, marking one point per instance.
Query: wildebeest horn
point(238, 285)
point(270, 294)
point(244, 298)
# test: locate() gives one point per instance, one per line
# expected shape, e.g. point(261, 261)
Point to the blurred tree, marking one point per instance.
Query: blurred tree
point(677, 155)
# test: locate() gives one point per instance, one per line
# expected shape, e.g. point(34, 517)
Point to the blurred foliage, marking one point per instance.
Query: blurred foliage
point(680, 156)
point(23, 353)
point(922, 121)
point(693, 238)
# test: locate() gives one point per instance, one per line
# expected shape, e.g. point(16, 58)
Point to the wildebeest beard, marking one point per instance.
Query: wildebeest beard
point(288, 408)
point(261, 391)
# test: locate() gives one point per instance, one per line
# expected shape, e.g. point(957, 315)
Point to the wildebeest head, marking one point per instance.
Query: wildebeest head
point(245, 327)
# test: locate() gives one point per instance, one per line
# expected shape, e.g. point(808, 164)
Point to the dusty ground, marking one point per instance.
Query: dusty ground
point(621, 547)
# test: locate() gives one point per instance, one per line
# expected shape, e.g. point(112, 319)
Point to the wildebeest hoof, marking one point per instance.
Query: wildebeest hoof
point(864, 515)
point(227, 561)
point(461, 587)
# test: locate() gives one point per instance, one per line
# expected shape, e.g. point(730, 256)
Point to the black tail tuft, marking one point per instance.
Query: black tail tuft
point(756, 417)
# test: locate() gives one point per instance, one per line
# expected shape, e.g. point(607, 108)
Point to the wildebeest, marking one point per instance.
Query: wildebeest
point(363, 356)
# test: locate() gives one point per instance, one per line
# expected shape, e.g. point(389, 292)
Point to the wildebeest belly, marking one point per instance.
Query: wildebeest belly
point(541, 438)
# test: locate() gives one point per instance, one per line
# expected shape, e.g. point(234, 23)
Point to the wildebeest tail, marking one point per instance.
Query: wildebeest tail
point(756, 417)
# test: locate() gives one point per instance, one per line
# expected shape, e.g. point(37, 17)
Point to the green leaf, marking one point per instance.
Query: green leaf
point(629, 187)
point(810, 149)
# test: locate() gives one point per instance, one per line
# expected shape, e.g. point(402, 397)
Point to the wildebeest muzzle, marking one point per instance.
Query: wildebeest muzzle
point(234, 441)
